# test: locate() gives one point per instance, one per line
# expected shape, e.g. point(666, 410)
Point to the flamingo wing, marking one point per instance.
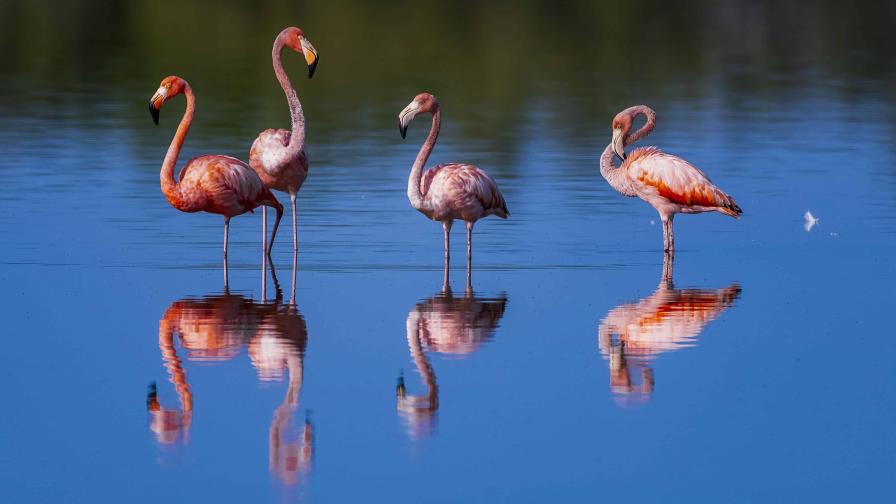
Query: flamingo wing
point(464, 186)
point(228, 185)
point(677, 180)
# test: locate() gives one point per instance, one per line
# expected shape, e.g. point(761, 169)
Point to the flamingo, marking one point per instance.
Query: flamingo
point(452, 190)
point(668, 183)
point(213, 183)
point(448, 325)
point(278, 156)
point(633, 334)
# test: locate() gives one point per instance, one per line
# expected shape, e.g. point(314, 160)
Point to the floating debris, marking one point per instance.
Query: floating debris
point(811, 221)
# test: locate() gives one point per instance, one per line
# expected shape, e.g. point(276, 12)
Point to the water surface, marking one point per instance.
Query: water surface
point(572, 370)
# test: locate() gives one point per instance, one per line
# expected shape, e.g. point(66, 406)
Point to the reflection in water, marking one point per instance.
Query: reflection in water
point(217, 327)
point(633, 334)
point(449, 325)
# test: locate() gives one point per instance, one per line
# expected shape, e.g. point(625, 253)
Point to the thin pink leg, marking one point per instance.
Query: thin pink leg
point(264, 230)
point(226, 233)
point(295, 231)
point(469, 254)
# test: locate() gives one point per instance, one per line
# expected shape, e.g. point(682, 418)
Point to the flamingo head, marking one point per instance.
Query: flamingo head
point(170, 87)
point(294, 38)
point(622, 124)
point(423, 102)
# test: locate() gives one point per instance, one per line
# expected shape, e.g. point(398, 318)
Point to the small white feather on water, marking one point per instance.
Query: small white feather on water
point(811, 221)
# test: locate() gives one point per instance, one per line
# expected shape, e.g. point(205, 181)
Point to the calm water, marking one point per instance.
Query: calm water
point(571, 372)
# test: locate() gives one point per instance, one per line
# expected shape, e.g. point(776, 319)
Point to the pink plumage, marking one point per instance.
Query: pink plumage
point(452, 191)
point(668, 183)
point(278, 156)
point(214, 183)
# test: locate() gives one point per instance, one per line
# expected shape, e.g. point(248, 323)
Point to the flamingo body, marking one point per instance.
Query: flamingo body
point(274, 167)
point(221, 185)
point(460, 191)
point(668, 183)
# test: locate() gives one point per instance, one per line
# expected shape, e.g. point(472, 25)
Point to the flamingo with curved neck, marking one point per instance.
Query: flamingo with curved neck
point(668, 183)
point(214, 183)
point(452, 190)
point(278, 156)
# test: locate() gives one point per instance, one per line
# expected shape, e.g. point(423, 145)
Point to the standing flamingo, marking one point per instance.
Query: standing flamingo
point(452, 190)
point(278, 156)
point(668, 183)
point(212, 183)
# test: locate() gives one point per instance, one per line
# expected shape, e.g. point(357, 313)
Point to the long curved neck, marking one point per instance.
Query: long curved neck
point(297, 115)
point(166, 176)
point(645, 130)
point(414, 193)
point(174, 366)
point(616, 178)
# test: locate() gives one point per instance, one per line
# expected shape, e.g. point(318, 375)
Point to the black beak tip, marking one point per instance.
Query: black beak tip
point(154, 112)
point(403, 130)
point(313, 66)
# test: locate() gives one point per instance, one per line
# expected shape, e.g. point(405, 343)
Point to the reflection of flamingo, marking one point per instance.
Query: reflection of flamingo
point(449, 325)
point(278, 156)
point(210, 328)
point(670, 184)
point(633, 334)
point(448, 191)
point(214, 183)
point(217, 327)
point(279, 344)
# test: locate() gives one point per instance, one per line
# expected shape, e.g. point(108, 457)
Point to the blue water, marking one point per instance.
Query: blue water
point(780, 389)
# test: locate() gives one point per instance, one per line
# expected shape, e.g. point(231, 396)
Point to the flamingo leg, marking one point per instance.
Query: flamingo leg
point(264, 229)
point(446, 226)
point(469, 253)
point(668, 241)
point(668, 262)
point(226, 233)
point(295, 232)
point(274, 232)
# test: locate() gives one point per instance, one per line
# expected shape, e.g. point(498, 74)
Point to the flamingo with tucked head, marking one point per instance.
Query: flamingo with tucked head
point(213, 183)
point(668, 183)
point(278, 156)
point(452, 190)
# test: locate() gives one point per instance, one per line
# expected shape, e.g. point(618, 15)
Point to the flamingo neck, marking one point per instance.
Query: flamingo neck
point(166, 176)
point(174, 366)
point(297, 115)
point(618, 178)
point(414, 193)
point(615, 177)
point(421, 362)
point(645, 130)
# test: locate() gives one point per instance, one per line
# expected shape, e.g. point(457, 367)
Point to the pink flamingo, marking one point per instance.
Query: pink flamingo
point(668, 183)
point(212, 183)
point(452, 190)
point(278, 156)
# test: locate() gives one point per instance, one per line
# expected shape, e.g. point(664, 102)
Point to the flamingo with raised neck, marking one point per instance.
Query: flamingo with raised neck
point(448, 191)
point(668, 183)
point(278, 156)
point(213, 183)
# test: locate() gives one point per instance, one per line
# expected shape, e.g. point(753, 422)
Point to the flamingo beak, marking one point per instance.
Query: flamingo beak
point(618, 146)
point(406, 116)
point(311, 56)
point(155, 103)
